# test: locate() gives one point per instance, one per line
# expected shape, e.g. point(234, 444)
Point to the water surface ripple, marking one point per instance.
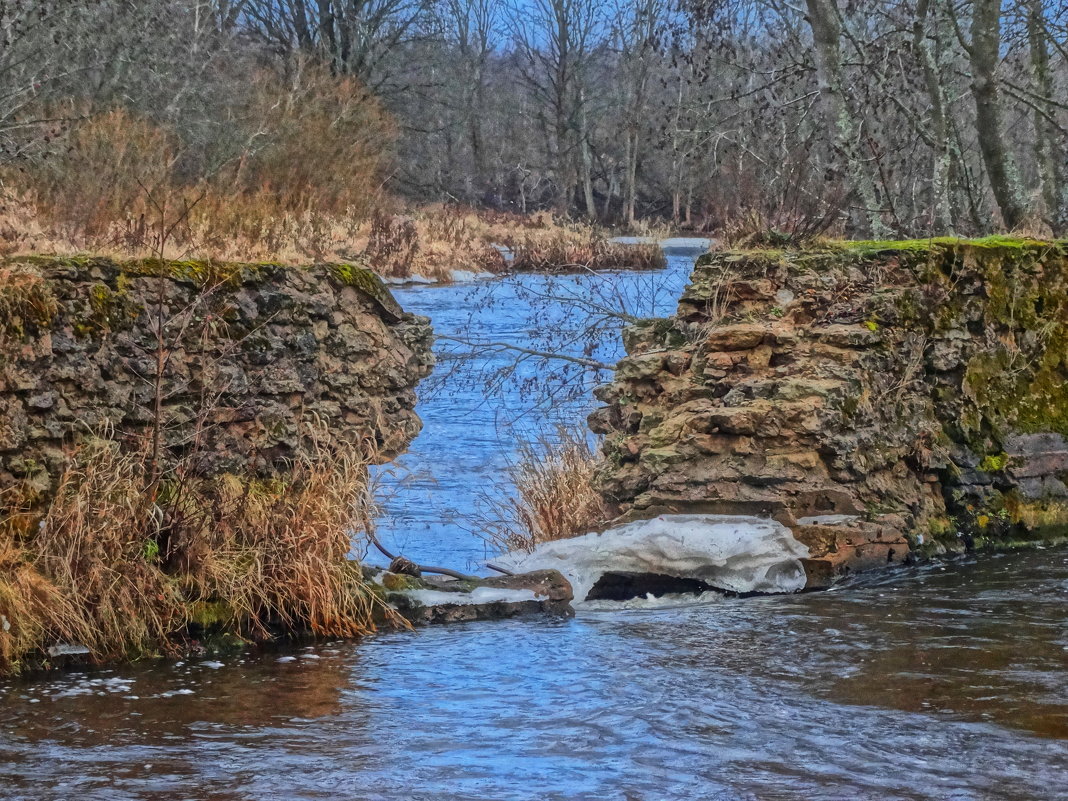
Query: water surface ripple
point(939, 682)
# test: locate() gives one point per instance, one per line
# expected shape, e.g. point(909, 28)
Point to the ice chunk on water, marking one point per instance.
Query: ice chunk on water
point(479, 595)
point(467, 276)
point(735, 553)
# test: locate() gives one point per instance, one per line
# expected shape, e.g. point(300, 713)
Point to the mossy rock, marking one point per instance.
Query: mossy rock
point(209, 273)
point(211, 615)
point(400, 582)
point(367, 283)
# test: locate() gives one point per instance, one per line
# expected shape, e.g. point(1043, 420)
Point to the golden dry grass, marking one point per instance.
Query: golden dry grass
point(32, 609)
point(25, 299)
point(554, 496)
point(430, 242)
point(96, 543)
point(121, 565)
point(275, 551)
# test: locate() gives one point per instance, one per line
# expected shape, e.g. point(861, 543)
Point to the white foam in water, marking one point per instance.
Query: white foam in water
point(672, 600)
point(735, 553)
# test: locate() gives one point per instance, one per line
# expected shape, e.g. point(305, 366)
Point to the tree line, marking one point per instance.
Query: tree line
point(873, 117)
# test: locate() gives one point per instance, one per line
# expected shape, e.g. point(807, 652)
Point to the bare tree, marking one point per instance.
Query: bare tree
point(984, 50)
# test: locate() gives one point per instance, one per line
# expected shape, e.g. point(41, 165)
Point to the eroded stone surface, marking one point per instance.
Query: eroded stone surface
point(916, 392)
point(252, 354)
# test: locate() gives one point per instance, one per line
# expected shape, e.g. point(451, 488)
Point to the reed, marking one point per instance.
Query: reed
point(122, 564)
point(554, 497)
point(210, 223)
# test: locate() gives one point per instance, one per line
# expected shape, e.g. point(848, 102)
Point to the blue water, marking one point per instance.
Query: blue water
point(947, 681)
point(932, 683)
point(481, 401)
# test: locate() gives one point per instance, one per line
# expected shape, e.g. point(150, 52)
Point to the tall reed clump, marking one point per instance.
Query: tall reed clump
point(273, 552)
point(98, 543)
point(32, 608)
point(575, 248)
point(554, 495)
point(123, 564)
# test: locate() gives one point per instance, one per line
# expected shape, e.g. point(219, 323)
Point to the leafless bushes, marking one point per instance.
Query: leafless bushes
point(307, 159)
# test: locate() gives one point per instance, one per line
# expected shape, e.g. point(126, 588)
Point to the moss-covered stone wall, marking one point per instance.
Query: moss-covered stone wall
point(882, 398)
point(242, 356)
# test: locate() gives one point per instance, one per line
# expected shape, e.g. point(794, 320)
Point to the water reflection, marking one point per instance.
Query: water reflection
point(928, 683)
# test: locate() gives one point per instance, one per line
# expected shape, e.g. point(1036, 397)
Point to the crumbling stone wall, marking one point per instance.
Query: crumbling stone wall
point(881, 398)
point(254, 357)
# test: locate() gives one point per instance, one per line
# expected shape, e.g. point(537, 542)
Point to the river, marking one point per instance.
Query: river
point(944, 681)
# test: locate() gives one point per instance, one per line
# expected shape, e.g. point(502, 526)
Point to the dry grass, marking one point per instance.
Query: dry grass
point(554, 496)
point(275, 551)
point(755, 228)
point(122, 566)
point(25, 299)
point(430, 242)
point(32, 609)
point(97, 544)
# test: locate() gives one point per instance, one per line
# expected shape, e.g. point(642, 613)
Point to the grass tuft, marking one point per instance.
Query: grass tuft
point(554, 495)
point(25, 299)
point(122, 565)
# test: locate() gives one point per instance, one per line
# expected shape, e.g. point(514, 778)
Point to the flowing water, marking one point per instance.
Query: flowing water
point(946, 681)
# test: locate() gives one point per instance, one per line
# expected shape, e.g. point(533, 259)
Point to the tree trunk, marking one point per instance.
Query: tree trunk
point(587, 158)
point(1045, 137)
point(985, 52)
point(940, 136)
point(823, 18)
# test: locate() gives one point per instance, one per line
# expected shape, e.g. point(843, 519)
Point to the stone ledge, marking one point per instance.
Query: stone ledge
point(424, 600)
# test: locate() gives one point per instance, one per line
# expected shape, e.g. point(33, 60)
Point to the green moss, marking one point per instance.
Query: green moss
point(211, 614)
point(940, 526)
point(104, 309)
point(368, 284)
point(994, 463)
point(399, 582)
point(200, 272)
point(996, 242)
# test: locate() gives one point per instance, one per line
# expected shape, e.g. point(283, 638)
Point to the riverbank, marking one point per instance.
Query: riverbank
point(882, 400)
point(434, 244)
point(185, 450)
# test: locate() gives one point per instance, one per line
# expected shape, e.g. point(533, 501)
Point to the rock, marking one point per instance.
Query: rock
point(743, 336)
point(901, 387)
point(425, 600)
point(327, 342)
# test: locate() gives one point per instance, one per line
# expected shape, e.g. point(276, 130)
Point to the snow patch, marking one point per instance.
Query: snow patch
point(407, 281)
point(467, 276)
point(734, 553)
point(480, 595)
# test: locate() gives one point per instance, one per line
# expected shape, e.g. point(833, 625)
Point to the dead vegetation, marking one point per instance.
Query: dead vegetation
point(431, 242)
point(554, 496)
point(122, 564)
